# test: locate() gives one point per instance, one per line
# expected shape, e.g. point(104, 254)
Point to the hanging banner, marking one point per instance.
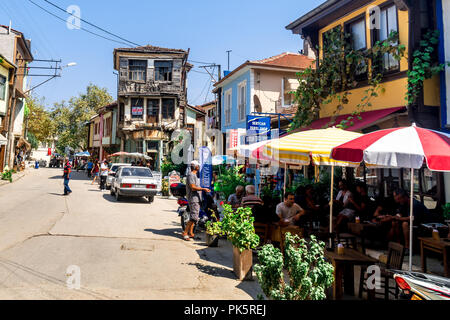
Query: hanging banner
point(206, 169)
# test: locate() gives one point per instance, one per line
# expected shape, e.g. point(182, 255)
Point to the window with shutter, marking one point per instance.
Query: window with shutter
point(137, 70)
point(163, 70)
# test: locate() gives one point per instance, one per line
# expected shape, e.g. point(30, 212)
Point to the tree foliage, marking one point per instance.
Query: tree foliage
point(71, 117)
point(41, 127)
point(66, 121)
point(338, 72)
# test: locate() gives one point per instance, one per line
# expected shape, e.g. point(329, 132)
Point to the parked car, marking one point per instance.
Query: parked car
point(112, 171)
point(134, 182)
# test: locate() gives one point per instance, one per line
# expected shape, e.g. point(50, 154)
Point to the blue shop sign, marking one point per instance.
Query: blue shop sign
point(257, 125)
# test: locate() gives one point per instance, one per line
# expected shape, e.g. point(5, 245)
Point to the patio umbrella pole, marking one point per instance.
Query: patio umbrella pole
point(411, 220)
point(331, 203)
point(285, 174)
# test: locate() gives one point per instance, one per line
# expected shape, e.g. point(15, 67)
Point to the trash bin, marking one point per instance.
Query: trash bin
point(36, 165)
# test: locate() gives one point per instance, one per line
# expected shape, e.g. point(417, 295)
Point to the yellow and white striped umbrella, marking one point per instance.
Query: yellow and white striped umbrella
point(298, 147)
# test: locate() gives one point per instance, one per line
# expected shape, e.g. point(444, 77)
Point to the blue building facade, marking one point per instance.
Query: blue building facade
point(232, 95)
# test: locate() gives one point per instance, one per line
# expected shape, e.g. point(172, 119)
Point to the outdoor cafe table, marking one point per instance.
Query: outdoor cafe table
point(442, 247)
point(349, 259)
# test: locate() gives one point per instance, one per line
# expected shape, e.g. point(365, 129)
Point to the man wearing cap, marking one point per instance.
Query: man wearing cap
point(66, 176)
point(193, 193)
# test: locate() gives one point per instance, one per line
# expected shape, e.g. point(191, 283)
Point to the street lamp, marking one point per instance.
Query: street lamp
point(70, 64)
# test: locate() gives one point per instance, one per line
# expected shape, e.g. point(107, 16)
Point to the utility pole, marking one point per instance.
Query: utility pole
point(228, 52)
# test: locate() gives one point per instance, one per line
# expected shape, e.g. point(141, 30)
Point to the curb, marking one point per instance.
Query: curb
point(15, 177)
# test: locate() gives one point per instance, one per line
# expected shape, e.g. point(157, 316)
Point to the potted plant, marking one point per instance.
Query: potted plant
point(213, 232)
point(238, 226)
point(308, 272)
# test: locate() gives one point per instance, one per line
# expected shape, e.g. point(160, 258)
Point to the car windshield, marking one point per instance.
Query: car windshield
point(136, 172)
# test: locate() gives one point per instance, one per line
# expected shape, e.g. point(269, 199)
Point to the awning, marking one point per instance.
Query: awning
point(24, 143)
point(3, 140)
point(367, 118)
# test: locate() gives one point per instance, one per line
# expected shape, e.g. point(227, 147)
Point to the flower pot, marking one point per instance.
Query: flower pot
point(243, 264)
point(212, 240)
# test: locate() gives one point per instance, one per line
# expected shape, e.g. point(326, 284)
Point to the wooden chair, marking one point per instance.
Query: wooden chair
point(396, 254)
point(293, 230)
point(262, 230)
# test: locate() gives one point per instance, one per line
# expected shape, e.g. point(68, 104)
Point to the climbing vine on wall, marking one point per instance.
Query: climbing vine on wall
point(424, 66)
point(341, 68)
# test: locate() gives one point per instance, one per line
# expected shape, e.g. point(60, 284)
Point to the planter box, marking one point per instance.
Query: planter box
point(212, 241)
point(243, 264)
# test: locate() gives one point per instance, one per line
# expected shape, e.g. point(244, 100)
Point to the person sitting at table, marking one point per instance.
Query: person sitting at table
point(364, 206)
point(314, 212)
point(251, 199)
point(288, 211)
point(235, 199)
point(344, 201)
point(400, 223)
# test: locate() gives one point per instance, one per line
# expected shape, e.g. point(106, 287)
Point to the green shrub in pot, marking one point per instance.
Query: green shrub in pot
point(238, 226)
point(309, 274)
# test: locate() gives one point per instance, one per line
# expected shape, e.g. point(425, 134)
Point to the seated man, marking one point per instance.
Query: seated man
point(251, 200)
point(288, 211)
point(400, 223)
point(235, 199)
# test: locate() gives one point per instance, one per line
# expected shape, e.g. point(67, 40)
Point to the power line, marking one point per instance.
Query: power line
point(88, 31)
point(199, 62)
point(93, 25)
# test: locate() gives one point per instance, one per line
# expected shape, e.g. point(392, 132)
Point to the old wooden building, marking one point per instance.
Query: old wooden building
point(151, 98)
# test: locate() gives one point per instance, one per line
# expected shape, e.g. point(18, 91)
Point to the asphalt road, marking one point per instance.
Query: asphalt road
point(118, 250)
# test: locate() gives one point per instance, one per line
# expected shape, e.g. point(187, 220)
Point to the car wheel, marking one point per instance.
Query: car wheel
point(118, 197)
point(151, 199)
point(111, 191)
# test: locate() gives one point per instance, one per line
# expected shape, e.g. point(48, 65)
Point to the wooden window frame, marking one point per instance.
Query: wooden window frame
point(375, 36)
point(136, 117)
point(347, 29)
point(132, 70)
point(165, 113)
point(167, 74)
point(3, 84)
point(243, 106)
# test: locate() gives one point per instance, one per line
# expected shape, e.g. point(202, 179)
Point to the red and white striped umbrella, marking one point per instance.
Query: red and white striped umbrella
point(406, 147)
point(400, 148)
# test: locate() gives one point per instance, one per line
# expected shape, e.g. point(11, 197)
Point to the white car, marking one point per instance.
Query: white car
point(112, 171)
point(134, 182)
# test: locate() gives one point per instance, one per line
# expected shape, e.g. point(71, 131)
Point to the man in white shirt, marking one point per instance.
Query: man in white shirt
point(103, 174)
point(288, 211)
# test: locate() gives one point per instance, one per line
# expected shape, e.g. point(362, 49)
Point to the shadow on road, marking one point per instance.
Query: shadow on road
point(110, 198)
point(175, 232)
point(74, 176)
point(213, 271)
point(56, 194)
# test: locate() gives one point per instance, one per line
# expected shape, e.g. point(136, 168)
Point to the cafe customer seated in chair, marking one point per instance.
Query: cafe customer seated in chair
point(288, 211)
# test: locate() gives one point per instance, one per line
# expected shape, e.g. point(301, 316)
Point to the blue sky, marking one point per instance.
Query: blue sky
point(253, 29)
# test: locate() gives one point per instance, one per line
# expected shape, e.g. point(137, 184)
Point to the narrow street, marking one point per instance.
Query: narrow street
point(126, 250)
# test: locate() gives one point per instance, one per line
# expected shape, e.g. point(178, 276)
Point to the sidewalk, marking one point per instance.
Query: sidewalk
point(15, 177)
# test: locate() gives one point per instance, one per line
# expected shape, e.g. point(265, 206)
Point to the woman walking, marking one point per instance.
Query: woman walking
point(95, 171)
